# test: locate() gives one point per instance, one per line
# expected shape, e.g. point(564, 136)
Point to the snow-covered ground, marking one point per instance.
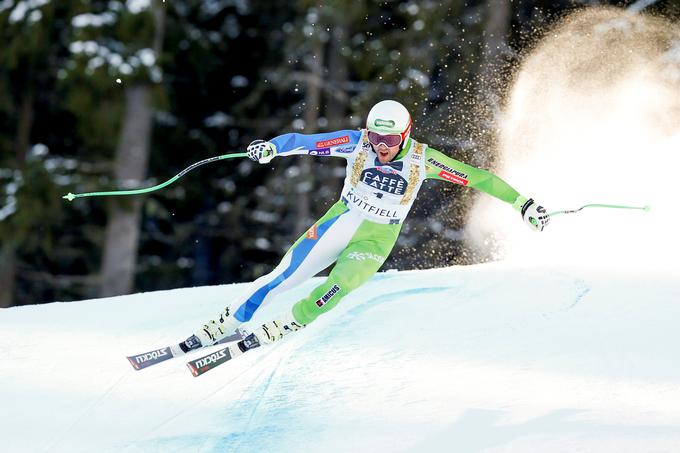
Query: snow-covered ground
point(492, 358)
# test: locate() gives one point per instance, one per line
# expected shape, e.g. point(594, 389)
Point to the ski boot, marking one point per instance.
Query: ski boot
point(210, 334)
point(273, 331)
point(269, 332)
point(216, 329)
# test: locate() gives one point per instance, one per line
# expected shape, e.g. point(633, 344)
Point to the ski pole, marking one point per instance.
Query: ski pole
point(73, 196)
point(596, 205)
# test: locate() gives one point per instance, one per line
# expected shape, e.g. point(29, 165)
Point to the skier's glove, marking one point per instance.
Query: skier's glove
point(261, 151)
point(535, 215)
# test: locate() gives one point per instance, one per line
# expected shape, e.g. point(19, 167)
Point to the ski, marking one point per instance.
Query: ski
point(147, 359)
point(217, 358)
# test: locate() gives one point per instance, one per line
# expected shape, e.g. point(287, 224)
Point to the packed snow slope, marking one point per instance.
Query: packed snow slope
point(490, 358)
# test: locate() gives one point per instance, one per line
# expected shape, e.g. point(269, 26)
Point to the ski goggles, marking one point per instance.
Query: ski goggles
point(388, 140)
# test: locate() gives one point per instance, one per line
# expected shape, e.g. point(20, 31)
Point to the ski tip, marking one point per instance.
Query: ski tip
point(133, 363)
point(208, 362)
point(141, 361)
point(194, 371)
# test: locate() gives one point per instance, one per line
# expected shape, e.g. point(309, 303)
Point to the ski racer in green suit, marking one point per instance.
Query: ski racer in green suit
point(385, 170)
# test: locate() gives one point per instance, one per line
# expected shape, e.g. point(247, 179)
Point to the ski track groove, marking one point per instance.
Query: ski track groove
point(383, 298)
point(87, 410)
point(267, 385)
point(98, 400)
point(194, 405)
point(259, 400)
point(583, 290)
point(184, 409)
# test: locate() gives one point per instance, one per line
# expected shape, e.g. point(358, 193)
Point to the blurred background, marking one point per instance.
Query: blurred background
point(99, 95)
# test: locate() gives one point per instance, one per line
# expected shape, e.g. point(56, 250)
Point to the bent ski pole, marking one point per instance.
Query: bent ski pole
point(73, 196)
point(596, 205)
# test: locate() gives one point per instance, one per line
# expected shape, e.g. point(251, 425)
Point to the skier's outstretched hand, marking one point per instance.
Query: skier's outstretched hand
point(535, 215)
point(261, 151)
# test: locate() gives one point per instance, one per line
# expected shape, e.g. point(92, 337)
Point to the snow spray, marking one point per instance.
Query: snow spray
point(593, 114)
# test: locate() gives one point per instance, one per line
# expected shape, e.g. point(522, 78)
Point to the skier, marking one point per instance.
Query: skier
point(385, 170)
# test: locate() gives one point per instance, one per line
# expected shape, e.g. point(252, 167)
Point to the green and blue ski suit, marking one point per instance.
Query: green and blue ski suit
point(359, 230)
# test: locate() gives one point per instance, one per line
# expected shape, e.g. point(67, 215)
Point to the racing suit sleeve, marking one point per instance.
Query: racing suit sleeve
point(440, 166)
point(338, 144)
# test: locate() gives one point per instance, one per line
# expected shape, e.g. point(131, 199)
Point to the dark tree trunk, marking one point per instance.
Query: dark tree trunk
point(7, 275)
point(119, 260)
point(122, 231)
point(8, 258)
point(23, 134)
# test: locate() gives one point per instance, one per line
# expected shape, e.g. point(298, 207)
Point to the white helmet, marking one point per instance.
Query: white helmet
point(389, 117)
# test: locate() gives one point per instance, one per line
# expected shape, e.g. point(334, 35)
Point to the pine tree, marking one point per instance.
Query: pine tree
point(30, 57)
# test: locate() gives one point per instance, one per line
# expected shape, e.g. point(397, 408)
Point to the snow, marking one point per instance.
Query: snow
point(89, 48)
point(418, 77)
point(11, 188)
point(22, 7)
point(60, 163)
point(99, 55)
point(9, 208)
point(218, 119)
point(492, 358)
point(238, 81)
point(147, 57)
point(137, 6)
point(610, 138)
point(35, 16)
point(671, 59)
point(38, 150)
point(6, 4)
point(213, 7)
point(640, 5)
point(93, 20)
point(125, 69)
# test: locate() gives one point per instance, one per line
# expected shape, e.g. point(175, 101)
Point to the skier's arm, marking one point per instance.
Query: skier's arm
point(440, 166)
point(338, 144)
